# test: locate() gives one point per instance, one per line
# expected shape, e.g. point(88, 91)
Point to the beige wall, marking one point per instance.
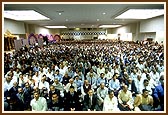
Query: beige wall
point(15, 27)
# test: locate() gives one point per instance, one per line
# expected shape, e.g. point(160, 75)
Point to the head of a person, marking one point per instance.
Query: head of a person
point(77, 77)
point(125, 88)
point(71, 81)
point(102, 75)
point(36, 95)
point(129, 80)
point(134, 71)
point(43, 78)
point(91, 74)
point(17, 70)
point(161, 79)
point(148, 76)
point(61, 65)
point(139, 77)
point(30, 77)
point(102, 85)
point(52, 88)
point(91, 70)
point(49, 70)
point(106, 70)
point(8, 78)
point(36, 73)
point(27, 85)
point(86, 82)
point(90, 92)
point(145, 93)
point(146, 82)
point(55, 97)
point(20, 90)
point(111, 94)
point(56, 80)
point(41, 69)
point(15, 84)
point(57, 72)
point(71, 89)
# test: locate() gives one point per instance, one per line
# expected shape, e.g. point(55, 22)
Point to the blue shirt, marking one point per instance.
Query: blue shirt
point(159, 92)
point(59, 77)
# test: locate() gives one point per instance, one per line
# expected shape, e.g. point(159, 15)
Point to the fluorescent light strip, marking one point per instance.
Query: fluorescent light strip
point(55, 26)
point(140, 13)
point(109, 26)
point(24, 15)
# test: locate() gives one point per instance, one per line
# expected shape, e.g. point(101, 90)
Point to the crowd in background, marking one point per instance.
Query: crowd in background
point(85, 76)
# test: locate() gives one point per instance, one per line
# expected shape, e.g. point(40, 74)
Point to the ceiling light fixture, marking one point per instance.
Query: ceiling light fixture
point(24, 15)
point(109, 26)
point(55, 26)
point(140, 13)
point(60, 12)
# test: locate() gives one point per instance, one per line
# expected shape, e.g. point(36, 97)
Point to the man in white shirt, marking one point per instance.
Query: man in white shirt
point(107, 75)
point(138, 83)
point(38, 103)
point(110, 102)
point(44, 84)
point(146, 85)
point(8, 83)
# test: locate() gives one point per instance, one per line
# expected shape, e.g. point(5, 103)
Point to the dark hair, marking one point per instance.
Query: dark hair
point(144, 90)
point(72, 86)
point(146, 80)
point(38, 92)
point(110, 91)
point(57, 70)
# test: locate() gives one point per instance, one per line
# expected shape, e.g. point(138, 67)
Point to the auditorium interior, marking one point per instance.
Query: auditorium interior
point(85, 57)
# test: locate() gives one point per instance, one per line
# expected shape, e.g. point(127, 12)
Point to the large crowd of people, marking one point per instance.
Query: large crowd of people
point(95, 75)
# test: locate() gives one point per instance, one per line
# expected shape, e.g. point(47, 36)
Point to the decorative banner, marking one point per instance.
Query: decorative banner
point(40, 42)
point(18, 44)
point(25, 42)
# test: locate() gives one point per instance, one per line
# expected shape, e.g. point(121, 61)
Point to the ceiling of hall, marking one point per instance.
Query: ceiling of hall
point(86, 15)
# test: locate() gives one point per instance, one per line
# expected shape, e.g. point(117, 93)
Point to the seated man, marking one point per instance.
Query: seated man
point(110, 102)
point(38, 103)
point(125, 99)
point(143, 102)
point(90, 101)
point(55, 103)
point(71, 100)
point(102, 91)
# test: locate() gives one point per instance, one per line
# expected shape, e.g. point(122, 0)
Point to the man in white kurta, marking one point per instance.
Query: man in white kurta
point(38, 103)
point(110, 102)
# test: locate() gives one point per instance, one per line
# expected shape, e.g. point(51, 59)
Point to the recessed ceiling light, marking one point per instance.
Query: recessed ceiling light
point(140, 13)
point(24, 15)
point(55, 26)
point(103, 13)
point(109, 26)
point(98, 19)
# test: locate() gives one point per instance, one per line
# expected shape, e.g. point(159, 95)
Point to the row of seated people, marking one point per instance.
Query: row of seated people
point(104, 99)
